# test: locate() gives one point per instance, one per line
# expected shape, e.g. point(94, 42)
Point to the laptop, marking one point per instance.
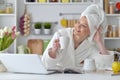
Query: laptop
point(24, 63)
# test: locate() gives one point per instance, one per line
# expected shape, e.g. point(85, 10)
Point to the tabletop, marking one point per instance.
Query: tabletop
point(101, 75)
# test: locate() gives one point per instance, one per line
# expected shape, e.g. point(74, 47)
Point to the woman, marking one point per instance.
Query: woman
point(85, 41)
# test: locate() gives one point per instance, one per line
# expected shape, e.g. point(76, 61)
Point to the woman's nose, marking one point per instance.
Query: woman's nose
point(79, 27)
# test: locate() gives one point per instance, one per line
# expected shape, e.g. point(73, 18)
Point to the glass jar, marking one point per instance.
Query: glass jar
point(2, 8)
point(9, 8)
point(30, 0)
point(111, 7)
point(42, 1)
point(65, 1)
point(53, 0)
point(114, 30)
point(119, 26)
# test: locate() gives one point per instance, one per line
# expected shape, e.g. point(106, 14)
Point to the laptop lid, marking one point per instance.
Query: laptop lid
point(24, 63)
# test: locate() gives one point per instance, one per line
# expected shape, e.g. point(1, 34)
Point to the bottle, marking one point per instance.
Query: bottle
point(42, 1)
point(53, 0)
point(2, 8)
point(106, 7)
point(9, 8)
point(65, 1)
point(119, 27)
point(114, 30)
point(116, 64)
point(109, 31)
point(111, 7)
point(30, 0)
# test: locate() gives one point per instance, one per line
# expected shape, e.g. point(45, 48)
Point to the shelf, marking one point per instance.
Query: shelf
point(58, 3)
point(112, 38)
point(40, 36)
point(113, 15)
point(7, 14)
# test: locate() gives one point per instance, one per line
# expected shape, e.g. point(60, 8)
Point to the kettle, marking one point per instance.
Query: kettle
point(23, 49)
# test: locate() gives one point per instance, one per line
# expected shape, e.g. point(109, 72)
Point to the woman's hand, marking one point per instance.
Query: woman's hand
point(97, 36)
point(54, 49)
point(56, 45)
point(99, 41)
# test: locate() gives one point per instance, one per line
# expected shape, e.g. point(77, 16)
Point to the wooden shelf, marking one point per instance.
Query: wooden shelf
point(114, 15)
point(58, 3)
point(40, 36)
point(7, 14)
point(111, 38)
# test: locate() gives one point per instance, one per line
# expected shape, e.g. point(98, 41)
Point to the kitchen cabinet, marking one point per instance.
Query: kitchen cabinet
point(59, 1)
point(8, 17)
point(112, 42)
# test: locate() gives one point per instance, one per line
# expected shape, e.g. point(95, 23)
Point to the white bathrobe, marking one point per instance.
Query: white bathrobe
point(71, 57)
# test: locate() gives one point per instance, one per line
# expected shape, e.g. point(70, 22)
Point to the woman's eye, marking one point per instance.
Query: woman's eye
point(84, 26)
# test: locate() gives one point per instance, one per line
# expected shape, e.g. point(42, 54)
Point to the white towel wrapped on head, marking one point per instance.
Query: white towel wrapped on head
point(96, 18)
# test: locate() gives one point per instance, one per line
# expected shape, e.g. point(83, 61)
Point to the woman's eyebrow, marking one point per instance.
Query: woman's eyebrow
point(85, 24)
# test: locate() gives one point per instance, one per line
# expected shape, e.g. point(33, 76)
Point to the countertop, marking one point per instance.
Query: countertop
point(100, 75)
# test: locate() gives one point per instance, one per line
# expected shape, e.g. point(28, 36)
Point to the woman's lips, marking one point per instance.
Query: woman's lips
point(78, 31)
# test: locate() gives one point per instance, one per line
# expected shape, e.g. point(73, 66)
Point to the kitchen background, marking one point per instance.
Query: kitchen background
point(49, 13)
point(55, 13)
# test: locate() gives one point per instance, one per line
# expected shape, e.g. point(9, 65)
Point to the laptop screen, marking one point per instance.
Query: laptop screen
point(23, 63)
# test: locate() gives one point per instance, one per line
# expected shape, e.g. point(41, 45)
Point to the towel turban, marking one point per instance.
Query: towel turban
point(96, 18)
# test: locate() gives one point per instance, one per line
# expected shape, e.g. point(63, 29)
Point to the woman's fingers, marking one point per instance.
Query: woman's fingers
point(100, 28)
point(97, 36)
point(56, 43)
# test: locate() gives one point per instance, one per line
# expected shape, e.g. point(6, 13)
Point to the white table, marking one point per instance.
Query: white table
point(61, 76)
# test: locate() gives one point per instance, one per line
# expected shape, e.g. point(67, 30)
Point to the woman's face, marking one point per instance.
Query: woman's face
point(81, 28)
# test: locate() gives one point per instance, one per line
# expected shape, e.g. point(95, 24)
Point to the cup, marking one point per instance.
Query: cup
point(89, 65)
point(63, 42)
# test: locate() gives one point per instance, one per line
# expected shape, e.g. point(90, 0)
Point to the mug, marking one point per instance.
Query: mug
point(63, 42)
point(89, 65)
point(23, 49)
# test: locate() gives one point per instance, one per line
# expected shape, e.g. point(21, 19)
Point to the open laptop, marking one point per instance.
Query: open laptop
point(24, 63)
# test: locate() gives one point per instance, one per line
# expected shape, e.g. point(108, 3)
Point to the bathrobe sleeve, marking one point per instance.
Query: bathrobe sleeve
point(46, 59)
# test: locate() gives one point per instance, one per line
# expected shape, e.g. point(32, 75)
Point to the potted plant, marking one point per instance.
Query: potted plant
point(37, 27)
point(47, 27)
